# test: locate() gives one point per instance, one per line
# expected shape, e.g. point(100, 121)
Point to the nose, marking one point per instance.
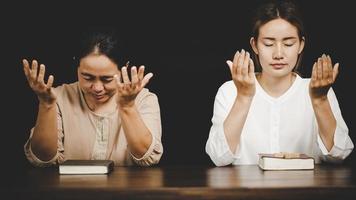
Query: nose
point(97, 87)
point(278, 52)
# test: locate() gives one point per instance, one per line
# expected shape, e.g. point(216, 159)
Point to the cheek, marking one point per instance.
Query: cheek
point(85, 85)
point(264, 55)
point(292, 54)
point(110, 87)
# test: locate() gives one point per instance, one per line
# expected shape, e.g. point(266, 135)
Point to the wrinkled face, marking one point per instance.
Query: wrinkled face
point(96, 78)
point(278, 47)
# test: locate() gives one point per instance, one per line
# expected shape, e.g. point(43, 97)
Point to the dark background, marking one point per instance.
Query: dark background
point(185, 45)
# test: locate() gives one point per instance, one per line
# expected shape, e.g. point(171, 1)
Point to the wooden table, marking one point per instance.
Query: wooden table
point(185, 182)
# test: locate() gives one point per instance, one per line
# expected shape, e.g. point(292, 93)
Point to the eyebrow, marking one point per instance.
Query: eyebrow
point(286, 38)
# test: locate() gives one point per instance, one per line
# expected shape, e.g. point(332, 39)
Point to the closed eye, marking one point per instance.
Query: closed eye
point(106, 80)
point(289, 44)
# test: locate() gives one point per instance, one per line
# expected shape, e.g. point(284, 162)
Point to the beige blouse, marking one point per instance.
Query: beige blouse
point(82, 134)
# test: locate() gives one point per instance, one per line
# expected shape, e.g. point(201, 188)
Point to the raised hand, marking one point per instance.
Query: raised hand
point(323, 76)
point(243, 74)
point(35, 79)
point(128, 88)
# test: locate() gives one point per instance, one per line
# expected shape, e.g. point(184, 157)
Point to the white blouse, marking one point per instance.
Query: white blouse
point(283, 124)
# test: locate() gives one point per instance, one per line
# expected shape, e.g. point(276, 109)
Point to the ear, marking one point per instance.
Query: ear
point(253, 44)
point(302, 43)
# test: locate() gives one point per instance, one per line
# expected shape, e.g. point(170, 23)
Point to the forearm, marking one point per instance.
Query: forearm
point(326, 121)
point(235, 121)
point(44, 139)
point(138, 136)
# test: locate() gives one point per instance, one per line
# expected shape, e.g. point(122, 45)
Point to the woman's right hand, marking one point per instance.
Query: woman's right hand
point(44, 91)
point(243, 74)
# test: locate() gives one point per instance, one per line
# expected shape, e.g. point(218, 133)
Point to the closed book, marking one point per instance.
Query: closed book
point(285, 161)
point(86, 167)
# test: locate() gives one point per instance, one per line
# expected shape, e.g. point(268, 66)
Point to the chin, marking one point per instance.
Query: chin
point(101, 100)
point(279, 73)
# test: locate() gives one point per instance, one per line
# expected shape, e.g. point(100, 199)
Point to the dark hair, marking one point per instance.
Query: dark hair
point(102, 41)
point(275, 9)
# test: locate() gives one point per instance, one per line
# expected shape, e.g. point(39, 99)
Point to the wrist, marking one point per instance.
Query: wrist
point(127, 107)
point(319, 100)
point(244, 99)
point(47, 105)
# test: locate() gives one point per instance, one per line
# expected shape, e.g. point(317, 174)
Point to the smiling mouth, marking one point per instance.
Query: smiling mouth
point(98, 96)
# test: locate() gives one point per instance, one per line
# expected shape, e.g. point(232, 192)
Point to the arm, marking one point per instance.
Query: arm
point(44, 139)
point(242, 71)
point(333, 132)
point(229, 117)
point(323, 76)
point(139, 137)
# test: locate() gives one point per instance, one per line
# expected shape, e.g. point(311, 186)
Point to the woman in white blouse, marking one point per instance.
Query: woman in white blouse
point(276, 110)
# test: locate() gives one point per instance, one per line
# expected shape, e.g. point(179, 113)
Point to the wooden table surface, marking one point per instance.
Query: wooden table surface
point(185, 182)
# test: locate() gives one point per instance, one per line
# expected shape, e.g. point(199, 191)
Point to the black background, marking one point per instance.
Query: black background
point(185, 45)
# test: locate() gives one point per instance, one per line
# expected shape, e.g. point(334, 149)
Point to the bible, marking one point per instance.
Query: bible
point(285, 161)
point(86, 167)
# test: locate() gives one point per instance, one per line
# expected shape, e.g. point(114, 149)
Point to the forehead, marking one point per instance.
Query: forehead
point(278, 28)
point(97, 64)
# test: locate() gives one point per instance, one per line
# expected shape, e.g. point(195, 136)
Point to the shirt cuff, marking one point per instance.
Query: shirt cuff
point(35, 160)
point(339, 143)
point(149, 157)
point(220, 153)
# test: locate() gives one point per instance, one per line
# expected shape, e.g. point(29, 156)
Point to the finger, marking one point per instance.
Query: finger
point(26, 66)
point(240, 62)
point(40, 77)
point(319, 71)
point(335, 71)
point(236, 56)
point(134, 77)
point(325, 68)
point(314, 72)
point(34, 70)
point(141, 71)
point(235, 62)
point(251, 69)
point(118, 79)
point(26, 69)
point(330, 70)
point(50, 81)
point(146, 79)
point(230, 64)
point(246, 61)
point(125, 76)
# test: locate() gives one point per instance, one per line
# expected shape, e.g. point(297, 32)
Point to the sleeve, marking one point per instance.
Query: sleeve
point(149, 110)
point(58, 158)
point(216, 146)
point(343, 145)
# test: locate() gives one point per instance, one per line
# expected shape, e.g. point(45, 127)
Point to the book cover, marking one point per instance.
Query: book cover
point(86, 167)
point(285, 161)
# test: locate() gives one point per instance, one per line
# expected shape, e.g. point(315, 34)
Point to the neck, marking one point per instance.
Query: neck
point(276, 86)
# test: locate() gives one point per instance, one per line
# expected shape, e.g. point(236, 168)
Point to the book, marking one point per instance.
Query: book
point(285, 161)
point(86, 167)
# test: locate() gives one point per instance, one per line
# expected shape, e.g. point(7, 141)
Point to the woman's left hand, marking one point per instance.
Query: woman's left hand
point(323, 76)
point(128, 88)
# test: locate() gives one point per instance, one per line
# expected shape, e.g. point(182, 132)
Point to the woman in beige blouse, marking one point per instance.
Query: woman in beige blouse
point(106, 114)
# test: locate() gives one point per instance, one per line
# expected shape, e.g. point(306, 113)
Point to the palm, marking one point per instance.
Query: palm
point(43, 90)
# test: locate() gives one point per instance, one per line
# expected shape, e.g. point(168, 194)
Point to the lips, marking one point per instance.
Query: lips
point(98, 96)
point(278, 65)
